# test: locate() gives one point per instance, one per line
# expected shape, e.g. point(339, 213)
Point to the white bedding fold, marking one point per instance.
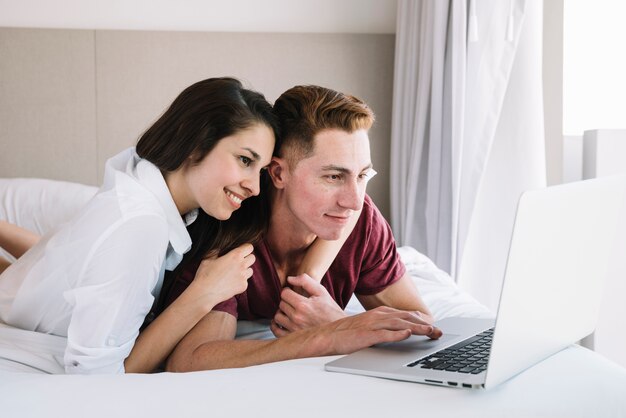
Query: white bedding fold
point(440, 293)
point(28, 351)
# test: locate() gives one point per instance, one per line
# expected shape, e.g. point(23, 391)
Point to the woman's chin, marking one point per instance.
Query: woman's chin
point(220, 215)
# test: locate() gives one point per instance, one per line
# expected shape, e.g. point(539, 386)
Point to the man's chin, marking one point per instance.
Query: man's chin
point(330, 235)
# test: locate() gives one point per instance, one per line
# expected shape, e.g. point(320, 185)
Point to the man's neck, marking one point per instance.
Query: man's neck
point(287, 239)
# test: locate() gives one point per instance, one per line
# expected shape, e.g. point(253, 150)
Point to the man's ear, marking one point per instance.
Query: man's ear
point(279, 172)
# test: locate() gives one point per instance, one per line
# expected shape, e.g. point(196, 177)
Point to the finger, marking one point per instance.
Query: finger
point(380, 336)
point(388, 336)
point(411, 316)
point(310, 285)
point(416, 327)
point(243, 250)
point(283, 321)
point(400, 322)
point(286, 308)
point(291, 297)
point(249, 260)
point(277, 330)
point(300, 291)
point(425, 317)
point(436, 334)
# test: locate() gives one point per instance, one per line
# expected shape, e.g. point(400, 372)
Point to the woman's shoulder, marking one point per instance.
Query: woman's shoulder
point(109, 217)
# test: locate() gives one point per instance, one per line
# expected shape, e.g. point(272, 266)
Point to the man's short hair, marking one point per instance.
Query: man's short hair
point(304, 111)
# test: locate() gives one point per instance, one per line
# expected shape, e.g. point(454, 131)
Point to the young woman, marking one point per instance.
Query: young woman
point(95, 279)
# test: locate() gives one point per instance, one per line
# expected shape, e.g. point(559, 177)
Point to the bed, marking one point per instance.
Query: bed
point(575, 382)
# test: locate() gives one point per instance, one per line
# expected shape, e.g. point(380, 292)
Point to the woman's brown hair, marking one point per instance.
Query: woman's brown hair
point(202, 115)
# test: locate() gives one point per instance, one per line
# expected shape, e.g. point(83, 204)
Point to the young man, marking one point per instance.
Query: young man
point(319, 178)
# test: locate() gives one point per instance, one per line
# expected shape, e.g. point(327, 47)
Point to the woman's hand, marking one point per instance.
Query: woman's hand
point(220, 278)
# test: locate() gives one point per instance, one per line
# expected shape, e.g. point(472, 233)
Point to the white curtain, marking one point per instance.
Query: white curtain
point(467, 131)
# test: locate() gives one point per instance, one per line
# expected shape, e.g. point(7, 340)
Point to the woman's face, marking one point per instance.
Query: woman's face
point(230, 173)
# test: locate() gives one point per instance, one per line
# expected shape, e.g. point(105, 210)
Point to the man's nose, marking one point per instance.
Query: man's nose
point(352, 195)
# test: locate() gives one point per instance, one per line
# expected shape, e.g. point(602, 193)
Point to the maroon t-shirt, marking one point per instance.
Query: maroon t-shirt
point(366, 264)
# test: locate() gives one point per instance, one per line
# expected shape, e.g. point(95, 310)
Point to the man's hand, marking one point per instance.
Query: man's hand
point(379, 325)
point(297, 312)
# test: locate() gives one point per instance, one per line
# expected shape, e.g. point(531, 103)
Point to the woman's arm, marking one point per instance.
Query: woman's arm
point(16, 240)
point(160, 338)
point(217, 279)
point(4, 263)
point(322, 253)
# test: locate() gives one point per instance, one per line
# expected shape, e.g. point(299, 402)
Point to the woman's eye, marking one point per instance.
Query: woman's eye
point(245, 160)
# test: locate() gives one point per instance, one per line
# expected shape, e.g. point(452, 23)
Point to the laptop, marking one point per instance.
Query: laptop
point(551, 294)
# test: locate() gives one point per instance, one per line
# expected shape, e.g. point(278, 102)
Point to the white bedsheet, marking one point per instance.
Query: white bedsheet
point(573, 383)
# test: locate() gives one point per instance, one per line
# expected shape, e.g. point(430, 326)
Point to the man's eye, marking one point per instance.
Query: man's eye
point(334, 177)
point(367, 175)
point(245, 160)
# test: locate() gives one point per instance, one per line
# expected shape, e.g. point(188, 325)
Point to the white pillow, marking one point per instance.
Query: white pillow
point(443, 297)
point(40, 204)
point(440, 292)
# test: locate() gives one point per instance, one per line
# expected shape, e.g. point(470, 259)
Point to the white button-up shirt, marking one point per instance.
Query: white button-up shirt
point(94, 279)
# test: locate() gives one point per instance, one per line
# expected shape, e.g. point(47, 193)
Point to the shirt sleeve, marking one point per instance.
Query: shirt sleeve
point(113, 295)
point(229, 306)
point(381, 265)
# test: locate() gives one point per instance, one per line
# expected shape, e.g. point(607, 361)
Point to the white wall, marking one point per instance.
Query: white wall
point(320, 16)
point(316, 16)
point(594, 65)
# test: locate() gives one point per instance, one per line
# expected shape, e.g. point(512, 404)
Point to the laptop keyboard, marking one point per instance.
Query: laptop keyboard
point(468, 356)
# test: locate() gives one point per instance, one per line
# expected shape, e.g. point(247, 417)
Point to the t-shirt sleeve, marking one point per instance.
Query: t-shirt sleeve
point(228, 306)
point(381, 264)
point(114, 295)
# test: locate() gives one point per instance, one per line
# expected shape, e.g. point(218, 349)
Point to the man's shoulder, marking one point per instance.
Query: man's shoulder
point(370, 212)
point(368, 202)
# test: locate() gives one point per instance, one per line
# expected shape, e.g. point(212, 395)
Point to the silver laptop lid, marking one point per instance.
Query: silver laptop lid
point(558, 259)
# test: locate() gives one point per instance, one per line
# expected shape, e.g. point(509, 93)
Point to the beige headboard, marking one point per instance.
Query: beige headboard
point(70, 99)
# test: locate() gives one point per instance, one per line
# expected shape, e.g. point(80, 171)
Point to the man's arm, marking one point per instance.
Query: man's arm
point(299, 312)
point(402, 294)
point(209, 345)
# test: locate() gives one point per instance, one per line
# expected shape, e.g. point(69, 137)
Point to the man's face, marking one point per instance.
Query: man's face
point(325, 189)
